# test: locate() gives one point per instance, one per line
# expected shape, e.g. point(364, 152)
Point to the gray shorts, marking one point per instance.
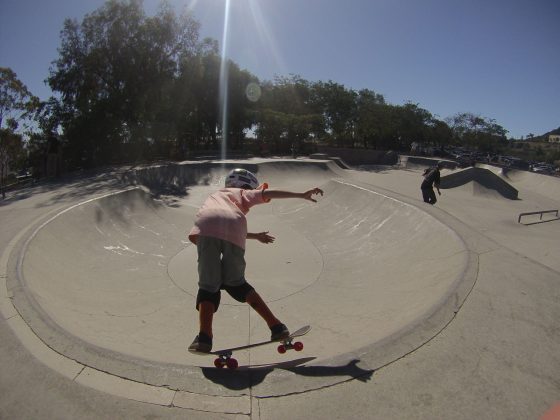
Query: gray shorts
point(220, 263)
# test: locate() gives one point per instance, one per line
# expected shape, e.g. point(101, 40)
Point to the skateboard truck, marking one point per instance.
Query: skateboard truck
point(226, 360)
point(287, 345)
point(225, 356)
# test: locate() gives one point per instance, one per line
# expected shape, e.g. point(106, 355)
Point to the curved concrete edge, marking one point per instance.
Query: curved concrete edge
point(39, 336)
point(362, 363)
point(145, 381)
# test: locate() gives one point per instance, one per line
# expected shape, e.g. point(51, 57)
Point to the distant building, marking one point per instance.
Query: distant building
point(554, 138)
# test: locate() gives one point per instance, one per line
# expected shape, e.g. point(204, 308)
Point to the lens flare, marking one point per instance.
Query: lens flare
point(253, 92)
point(224, 76)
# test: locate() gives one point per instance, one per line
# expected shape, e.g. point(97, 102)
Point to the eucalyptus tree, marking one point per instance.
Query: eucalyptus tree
point(271, 129)
point(413, 125)
point(196, 98)
point(17, 105)
point(240, 116)
point(477, 132)
point(440, 134)
point(286, 117)
point(115, 79)
point(370, 118)
point(338, 107)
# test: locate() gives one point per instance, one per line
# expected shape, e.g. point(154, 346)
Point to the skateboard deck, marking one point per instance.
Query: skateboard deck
point(225, 355)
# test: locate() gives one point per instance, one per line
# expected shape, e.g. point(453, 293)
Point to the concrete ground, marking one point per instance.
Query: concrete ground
point(424, 312)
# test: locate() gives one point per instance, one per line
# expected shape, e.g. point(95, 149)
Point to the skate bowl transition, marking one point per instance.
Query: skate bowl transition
point(111, 282)
point(481, 181)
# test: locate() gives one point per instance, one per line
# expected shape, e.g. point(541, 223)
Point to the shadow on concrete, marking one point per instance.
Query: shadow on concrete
point(380, 169)
point(540, 221)
point(249, 376)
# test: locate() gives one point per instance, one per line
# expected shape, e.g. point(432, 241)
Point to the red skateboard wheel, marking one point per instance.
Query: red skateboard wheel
point(232, 363)
point(298, 346)
point(281, 349)
point(219, 363)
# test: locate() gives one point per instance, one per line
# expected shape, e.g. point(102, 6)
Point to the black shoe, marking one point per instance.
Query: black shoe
point(202, 344)
point(279, 332)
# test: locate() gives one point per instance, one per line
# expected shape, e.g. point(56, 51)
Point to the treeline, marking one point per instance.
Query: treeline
point(132, 87)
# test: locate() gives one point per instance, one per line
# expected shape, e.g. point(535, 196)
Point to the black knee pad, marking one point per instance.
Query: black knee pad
point(239, 293)
point(205, 296)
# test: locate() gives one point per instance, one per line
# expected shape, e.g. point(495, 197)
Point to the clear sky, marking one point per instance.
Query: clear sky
point(496, 58)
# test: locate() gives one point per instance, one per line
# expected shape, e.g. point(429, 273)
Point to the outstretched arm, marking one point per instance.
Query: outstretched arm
point(307, 195)
point(263, 237)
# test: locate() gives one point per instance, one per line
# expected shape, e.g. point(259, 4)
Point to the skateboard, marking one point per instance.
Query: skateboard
point(225, 355)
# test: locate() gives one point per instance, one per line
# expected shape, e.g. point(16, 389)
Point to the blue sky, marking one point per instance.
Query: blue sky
point(496, 58)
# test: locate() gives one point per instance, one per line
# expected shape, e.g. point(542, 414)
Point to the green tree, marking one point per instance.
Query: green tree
point(338, 108)
point(16, 106)
point(239, 115)
point(271, 129)
point(370, 119)
point(11, 150)
point(16, 102)
point(195, 112)
point(413, 123)
point(116, 79)
point(440, 133)
point(477, 132)
point(286, 117)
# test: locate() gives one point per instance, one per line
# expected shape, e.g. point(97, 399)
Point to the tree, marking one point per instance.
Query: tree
point(413, 125)
point(11, 150)
point(194, 100)
point(16, 101)
point(477, 132)
point(369, 118)
point(338, 108)
point(16, 106)
point(286, 117)
point(116, 79)
point(271, 128)
point(440, 133)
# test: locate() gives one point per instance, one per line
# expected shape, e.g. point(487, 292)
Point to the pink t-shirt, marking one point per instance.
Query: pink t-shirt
point(223, 215)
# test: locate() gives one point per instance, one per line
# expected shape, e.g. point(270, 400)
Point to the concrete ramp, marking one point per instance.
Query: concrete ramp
point(421, 162)
point(546, 185)
point(482, 181)
point(111, 282)
point(526, 181)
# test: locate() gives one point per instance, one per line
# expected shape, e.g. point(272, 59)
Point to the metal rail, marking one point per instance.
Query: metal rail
point(537, 212)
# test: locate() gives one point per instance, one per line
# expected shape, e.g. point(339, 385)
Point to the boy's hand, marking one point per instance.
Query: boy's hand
point(263, 237)
point(308, 195)
point(273, 194)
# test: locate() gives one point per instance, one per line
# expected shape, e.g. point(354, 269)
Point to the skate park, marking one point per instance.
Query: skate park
point(417, 311)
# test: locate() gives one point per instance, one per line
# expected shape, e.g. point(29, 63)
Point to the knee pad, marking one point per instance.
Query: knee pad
point(205, 296)
point(239, 293)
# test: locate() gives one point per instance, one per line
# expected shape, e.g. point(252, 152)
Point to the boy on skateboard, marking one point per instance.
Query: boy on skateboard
point(219, 233)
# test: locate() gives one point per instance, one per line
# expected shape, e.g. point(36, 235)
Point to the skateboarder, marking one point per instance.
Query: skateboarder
point(219, 232)
point(431, 178)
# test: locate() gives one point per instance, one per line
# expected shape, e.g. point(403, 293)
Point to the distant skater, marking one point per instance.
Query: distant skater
point(431, 179)
point(219, 232)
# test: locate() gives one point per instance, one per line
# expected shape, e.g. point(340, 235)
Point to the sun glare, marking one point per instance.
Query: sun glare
point(224, 81)
point(264, 36)
point(246, 39)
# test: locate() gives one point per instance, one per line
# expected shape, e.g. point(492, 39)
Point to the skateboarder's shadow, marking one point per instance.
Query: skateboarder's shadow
point(249, 376)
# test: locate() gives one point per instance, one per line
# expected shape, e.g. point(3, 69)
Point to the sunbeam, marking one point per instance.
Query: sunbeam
point(224, 81)
point(265, 35)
